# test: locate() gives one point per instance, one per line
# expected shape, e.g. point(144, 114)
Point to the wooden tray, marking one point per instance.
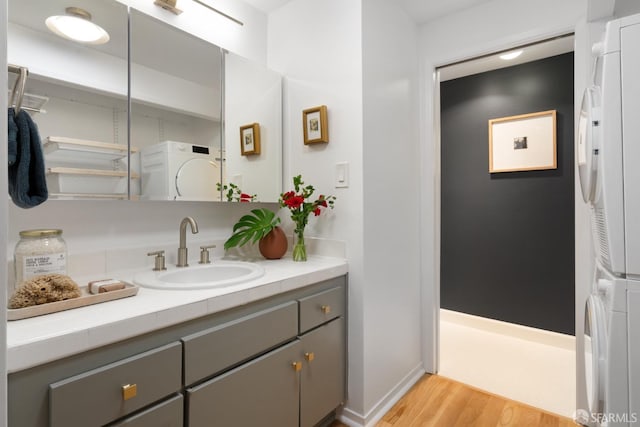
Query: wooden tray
point(83, 300)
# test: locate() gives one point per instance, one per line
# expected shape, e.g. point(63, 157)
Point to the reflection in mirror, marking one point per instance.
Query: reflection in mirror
point(76, 93)
point(176, 104)
point(253, 154)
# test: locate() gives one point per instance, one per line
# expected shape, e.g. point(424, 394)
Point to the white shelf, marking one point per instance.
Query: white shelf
point(59, 148)
point(90, 182)
point(93, 196)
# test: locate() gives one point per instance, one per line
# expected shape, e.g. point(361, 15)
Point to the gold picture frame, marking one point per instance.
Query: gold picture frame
point(250, 139)
point(525, 142)
point(315, 125)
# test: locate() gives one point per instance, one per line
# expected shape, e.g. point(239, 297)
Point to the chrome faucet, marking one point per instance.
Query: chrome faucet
point(182, 250)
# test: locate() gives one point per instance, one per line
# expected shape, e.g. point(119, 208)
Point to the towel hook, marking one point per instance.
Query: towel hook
point(17, 93)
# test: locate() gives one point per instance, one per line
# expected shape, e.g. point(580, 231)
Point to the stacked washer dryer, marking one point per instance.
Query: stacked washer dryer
point(174, 170)
point(608, 149)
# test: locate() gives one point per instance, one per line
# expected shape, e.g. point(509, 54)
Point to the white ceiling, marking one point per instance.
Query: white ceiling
point(421, 10)
point(533, 52)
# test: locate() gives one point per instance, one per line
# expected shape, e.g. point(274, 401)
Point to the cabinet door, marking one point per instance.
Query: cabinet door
point(323, 372)
point(166, 414)
point(263, 392)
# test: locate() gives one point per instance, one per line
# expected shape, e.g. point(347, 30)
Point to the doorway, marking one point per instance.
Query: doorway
point(507, 242)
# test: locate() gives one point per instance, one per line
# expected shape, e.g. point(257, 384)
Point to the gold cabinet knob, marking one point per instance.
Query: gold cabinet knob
point(129, 391)
point(326, 309)
point(309, 356)
point(297, 366)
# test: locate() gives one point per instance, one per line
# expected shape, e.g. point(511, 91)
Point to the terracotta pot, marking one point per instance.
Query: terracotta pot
point(274, 244)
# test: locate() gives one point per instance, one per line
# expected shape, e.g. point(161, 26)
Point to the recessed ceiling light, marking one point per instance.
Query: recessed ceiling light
point(511, 55)
point(76, 25)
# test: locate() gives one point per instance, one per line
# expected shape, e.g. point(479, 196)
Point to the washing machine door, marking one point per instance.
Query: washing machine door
point(196, 180)
point(595, 353)
point(588, 142)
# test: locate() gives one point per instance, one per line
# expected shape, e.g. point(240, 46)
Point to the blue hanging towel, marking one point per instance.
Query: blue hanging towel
point(27, 179)
point(13, 136)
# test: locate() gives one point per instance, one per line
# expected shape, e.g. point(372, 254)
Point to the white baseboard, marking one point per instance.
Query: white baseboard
point(354, 419)
point(540, 336)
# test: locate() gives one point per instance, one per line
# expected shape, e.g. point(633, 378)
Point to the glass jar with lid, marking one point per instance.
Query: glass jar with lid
point(38, 252)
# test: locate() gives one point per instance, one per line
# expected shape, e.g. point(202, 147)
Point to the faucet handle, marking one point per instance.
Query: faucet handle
point(159, 260)
point(204, 254)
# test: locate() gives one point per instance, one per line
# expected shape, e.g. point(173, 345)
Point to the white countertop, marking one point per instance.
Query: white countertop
point(37, 340)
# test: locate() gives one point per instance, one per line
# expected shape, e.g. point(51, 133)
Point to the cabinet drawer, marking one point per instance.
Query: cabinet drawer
point(169, 413)
point(97, 397)
point(262, 392)
point(320, 308)
point(212, 350)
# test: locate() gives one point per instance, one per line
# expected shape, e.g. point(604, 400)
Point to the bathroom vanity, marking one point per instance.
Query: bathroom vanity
point(271, 351)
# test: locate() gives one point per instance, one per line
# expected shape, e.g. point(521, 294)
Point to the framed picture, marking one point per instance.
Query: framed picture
point(250, 139)
point(523, 143)
point(314, 122)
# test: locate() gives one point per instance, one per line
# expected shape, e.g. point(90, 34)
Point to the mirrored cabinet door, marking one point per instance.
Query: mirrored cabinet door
point(75, 93)
point(176, 113)
point(253, 130)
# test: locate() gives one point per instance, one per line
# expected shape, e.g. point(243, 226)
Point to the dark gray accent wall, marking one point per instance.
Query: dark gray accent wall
point(507, 239)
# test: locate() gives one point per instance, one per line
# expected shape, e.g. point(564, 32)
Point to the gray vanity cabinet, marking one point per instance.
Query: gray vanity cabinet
point(279, 361)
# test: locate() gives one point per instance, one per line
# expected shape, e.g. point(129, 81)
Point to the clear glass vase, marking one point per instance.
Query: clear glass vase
point(299, 249)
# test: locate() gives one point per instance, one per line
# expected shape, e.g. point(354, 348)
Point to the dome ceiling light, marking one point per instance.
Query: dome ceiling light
point(76, 25)
point(511, 55)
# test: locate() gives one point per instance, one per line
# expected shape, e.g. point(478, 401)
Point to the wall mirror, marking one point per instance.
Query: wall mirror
point(189, 100)
point(253, 129)
point(76, 93)
point(176, 112)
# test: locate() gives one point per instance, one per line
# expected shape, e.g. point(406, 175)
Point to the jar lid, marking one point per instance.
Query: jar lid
point(40, 233)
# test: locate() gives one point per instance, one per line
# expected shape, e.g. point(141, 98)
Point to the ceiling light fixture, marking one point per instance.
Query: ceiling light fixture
point(511, 55)
point(76, 25)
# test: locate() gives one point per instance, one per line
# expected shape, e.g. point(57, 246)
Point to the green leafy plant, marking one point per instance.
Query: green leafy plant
point(252, 227)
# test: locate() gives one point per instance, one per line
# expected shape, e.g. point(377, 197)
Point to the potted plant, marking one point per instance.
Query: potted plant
point(261, 226)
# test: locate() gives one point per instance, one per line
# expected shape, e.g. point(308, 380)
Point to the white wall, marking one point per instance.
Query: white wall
point(503, 24)
point(317, 46)
point(359, 59)
point(391, 176)
point(3, 224)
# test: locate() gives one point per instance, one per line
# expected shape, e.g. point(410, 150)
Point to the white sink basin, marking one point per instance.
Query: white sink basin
point(215, 275)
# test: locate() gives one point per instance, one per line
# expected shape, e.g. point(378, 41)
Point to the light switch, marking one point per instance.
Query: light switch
point(342, 174)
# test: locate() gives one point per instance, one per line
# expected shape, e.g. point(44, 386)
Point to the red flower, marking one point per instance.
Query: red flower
point(294, 202)
point(245, 197)
point(316, 211)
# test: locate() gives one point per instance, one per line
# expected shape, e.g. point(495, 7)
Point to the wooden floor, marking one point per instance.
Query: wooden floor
point(441, 402)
